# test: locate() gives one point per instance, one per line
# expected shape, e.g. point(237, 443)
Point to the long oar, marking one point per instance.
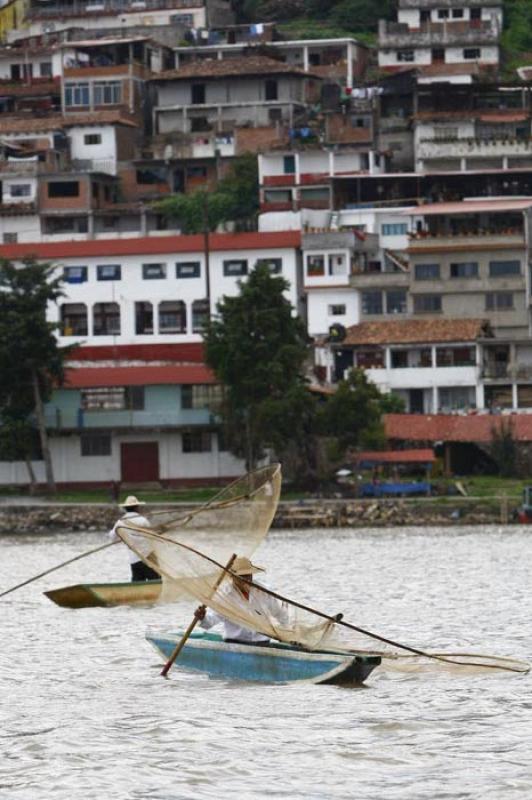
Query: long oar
point(53, 569)
point(167, 667)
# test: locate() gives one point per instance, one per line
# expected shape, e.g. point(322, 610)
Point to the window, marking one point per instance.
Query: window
point(151, 176)
point(92, 138)
point(114, 398)
point(372, 302)
point(151, 272)
point(471, 53)
point(95, 444)
point(457, 13)
point(143, 318)
point(337, 265)
point(289, 165)
point(464, 269)
point(77, 94)
point(188, 269)
point(500, 269)
point(396, 301)
point(456, 357)
point(200, 315)
point(46, 69)
point(275, 265)
point(427, 303)
point(107, 93)
point(172, 317)
point(457, 397)
point(232, 268)
point(427, 272)
point(200, 124)
point(499, 301)
point(443, 13)
point(75, 274)
point(197, 442)
point(74, 319)
point(200, 395)
point(20, 190)
point(197, 93)
point(336, 310)
point(134, 398)
point(106, 319)
point(399, 359)
point(109, 272)
point(271, 89)
point(315, 266)
point(405, 55)
point(10, 238)
point(63, 189)
point(395, 229)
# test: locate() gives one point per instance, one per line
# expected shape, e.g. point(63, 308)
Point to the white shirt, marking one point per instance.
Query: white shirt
point(142, 544)
point(259, 602)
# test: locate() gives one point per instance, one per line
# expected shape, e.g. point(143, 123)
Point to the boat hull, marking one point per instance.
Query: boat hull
point(277, 663)
point(90, 595)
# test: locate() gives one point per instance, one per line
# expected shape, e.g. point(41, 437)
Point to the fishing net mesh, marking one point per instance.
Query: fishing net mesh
point(194, 554)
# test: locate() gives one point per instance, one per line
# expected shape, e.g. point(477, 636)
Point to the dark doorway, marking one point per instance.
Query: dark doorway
point(139, 462)
point(415, 401)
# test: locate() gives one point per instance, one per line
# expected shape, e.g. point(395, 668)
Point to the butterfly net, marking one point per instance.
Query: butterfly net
point(194, 553)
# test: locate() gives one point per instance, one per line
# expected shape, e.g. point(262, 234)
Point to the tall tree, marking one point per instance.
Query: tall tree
point(257, 348)
point(31, 361)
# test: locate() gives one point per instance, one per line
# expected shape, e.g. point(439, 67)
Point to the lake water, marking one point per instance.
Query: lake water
point(85, 715)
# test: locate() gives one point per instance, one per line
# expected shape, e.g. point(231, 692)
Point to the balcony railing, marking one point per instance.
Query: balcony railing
point(398, 34)
point(106, 165)
point(79, 419)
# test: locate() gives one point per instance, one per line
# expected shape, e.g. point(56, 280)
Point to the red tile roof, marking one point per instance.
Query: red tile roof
point(153, 245)
point(87, 377)
point(454, 428)
point(416, 331)
point(421, 456)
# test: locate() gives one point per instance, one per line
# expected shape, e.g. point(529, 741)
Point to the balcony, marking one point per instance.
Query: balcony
point(478, 148)
point(380, 280)
point(426, 4)
point(505, 239)
point(106, 165)
point(78, 420)
point(398, 34)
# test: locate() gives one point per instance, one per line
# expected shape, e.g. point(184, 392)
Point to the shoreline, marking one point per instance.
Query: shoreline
point(317, 513)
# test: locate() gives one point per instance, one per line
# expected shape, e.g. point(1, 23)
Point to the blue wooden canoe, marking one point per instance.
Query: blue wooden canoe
point(277, 663)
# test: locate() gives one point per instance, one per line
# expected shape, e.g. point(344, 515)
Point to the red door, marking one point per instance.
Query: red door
point(139, 462)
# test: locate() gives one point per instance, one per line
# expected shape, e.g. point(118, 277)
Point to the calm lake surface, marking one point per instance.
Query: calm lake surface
point(84, 713)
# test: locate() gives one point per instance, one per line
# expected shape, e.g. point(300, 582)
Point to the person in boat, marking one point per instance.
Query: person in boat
point(139, 570)
point(242, 593)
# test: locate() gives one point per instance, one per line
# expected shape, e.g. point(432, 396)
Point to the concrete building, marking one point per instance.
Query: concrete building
point(447, 40)
point(471, 258)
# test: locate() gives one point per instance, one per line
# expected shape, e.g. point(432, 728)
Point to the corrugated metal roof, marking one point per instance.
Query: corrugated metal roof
point(87, 377)
point(153, 245)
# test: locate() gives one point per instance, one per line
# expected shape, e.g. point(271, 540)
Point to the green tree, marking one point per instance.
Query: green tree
point(257, 349)
point(503, 448)
point(353, 415)
point(31, 361)
point(236, 198)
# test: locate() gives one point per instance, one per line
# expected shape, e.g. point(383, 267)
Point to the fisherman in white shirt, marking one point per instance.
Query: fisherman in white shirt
point(244, 594)
point(139, 570)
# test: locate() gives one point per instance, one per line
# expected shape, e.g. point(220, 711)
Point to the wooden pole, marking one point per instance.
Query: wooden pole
point(167, 667)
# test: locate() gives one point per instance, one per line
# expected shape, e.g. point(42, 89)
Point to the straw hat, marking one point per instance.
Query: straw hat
point(243, 566)
point(131, 501)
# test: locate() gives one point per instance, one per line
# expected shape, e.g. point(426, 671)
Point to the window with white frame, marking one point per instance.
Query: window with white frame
point(77, 94)
point(106, 319)
point(427, 304)
point(471, 53)
point(405, 56)
point(315, 266)
point(336, 310)
point(427, 272)
point(92, 138)
point(394, 229)
point(499, 301)
point(172, 317)
point(107, 93)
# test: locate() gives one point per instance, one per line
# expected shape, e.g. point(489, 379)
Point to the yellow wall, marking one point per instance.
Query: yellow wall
point(12, 16)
